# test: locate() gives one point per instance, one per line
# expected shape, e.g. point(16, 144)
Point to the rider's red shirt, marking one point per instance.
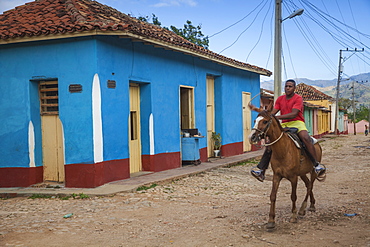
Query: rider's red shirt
point(286, 105)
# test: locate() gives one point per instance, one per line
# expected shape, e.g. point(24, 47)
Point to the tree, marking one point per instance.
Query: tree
point(154, 19)
point(362, 113)
point(192, 33)
point(189, 32)
point(345, 104)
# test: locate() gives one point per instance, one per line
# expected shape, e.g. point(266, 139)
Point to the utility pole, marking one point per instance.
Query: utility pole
point(277, 51)
point(353, 107)
point(278, 45)
point(340, 71)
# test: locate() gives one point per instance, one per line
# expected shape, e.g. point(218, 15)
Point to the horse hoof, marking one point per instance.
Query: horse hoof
point(312, 209)
point(303, 213)
point(270, 226)
point(293, 220)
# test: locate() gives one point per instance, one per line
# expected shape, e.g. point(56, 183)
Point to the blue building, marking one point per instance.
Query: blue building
point(89, 95)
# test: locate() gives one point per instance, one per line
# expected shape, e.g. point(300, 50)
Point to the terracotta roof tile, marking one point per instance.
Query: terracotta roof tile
point(310, 93)
point(47, 17)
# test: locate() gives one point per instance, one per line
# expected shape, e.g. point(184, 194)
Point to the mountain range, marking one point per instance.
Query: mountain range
point(357, 84)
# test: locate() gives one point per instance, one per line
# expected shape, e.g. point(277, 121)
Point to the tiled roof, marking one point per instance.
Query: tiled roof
point(310, 93)
point(267, 93)
point(45, 18)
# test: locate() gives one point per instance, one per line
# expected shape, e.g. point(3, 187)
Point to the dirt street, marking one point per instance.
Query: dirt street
point(223, 207)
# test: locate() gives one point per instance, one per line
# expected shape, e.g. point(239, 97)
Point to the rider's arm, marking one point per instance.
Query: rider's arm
point(291, 115)
point(274, 111)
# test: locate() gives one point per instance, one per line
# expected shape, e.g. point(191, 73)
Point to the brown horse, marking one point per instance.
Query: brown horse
point(287, 161)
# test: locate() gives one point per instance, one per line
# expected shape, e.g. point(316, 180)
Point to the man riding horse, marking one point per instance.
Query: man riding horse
point(290, 106)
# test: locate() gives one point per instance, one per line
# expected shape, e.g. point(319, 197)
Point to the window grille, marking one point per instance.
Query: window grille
point(49, 98)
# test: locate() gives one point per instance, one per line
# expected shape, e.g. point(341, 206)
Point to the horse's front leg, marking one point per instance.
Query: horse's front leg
point(275, 185)
point(293, 197)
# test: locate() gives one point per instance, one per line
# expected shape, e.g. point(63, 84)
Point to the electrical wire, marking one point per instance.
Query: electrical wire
point(315, 45)
point(344, 38)
point(235, 22)
point(244, 29)
point(259, 38)
point(290, 56)
point(271, 41)
point(354, 21)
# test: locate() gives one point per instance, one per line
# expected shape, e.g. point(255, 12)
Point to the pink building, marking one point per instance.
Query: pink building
point(360, 127)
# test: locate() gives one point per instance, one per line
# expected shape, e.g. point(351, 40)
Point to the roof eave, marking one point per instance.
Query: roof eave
point(126, 34)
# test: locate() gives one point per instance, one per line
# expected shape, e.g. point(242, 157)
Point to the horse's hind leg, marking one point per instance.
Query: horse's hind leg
point(275, 185)
point(293, 197)
point(312, 198)
point(302, 210)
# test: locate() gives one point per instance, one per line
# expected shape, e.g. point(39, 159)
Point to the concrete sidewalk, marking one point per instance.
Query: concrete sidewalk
point(131, 184)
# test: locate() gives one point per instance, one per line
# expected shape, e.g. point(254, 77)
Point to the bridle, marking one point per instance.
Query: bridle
point(262, 133)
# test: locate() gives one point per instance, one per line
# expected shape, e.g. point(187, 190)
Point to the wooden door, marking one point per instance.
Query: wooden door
point(210, 114)
point(52, 132)
point(134, 129)
point(52, 148)
point(246, 122)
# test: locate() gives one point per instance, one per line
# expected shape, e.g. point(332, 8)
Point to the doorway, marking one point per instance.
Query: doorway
point(134, 129)
point(210, 114)
point(246, 122)
point(52, 132)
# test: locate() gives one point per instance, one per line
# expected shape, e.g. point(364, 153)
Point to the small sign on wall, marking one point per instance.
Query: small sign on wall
point(111, 84)
point(75, 88)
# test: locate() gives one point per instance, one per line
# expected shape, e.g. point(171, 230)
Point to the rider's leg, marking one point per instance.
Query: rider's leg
point(265, 160)
point(259, 171)
point(306, 139)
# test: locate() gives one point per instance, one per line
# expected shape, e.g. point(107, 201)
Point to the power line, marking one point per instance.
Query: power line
point(244, 29)
point(259, 38)
point(315, 44)
point(290, 57)
point(271, 40)
point(235, 22)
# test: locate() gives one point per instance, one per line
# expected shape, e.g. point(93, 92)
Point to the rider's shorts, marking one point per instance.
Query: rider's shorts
point(295, 124)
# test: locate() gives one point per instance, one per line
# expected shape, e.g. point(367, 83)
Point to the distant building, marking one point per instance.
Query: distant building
point(360, 127)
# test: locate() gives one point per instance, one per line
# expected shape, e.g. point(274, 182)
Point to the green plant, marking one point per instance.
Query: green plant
point(35, 196)
point(64, 197)
point(80, 196)
point(146, 187)
point(216, 138)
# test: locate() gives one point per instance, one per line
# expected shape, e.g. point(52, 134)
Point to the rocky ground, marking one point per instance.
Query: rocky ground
point(223, 207)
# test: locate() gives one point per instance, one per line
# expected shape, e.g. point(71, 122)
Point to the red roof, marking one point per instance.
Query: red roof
point(43, 19)
point(310, 93)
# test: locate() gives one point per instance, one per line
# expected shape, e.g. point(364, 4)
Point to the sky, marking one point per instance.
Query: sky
point(244, 30)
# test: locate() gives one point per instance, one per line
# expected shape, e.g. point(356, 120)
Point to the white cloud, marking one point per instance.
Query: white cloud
point(168, 3)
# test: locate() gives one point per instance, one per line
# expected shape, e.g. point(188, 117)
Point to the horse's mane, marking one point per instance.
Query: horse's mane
point(267, 114)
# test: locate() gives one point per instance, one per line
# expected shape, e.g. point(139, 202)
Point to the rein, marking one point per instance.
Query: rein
point(263, 133)
point(269, 144)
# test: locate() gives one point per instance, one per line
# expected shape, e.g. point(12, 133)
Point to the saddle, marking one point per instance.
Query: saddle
point(293, 134)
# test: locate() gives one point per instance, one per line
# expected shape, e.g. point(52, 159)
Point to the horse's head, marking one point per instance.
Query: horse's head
point(261, 126)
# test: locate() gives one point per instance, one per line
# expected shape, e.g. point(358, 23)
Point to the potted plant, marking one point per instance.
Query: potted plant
point(216, 138)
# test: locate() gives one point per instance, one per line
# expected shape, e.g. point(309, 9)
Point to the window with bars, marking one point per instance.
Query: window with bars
point(49, 97)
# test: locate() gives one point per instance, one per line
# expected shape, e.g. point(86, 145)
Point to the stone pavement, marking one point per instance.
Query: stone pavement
point(131, 184)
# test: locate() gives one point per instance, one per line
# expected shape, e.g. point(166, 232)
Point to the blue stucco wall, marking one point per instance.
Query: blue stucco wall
point(75, 61)
point(71, 62)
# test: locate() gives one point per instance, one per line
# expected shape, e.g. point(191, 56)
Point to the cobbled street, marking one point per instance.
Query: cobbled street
point(222, 207)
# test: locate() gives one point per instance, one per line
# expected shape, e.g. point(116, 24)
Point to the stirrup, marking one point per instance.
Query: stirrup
point(320, 171)
point(259, 174)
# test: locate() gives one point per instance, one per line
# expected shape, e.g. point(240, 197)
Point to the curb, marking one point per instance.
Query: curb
point(132, 184)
